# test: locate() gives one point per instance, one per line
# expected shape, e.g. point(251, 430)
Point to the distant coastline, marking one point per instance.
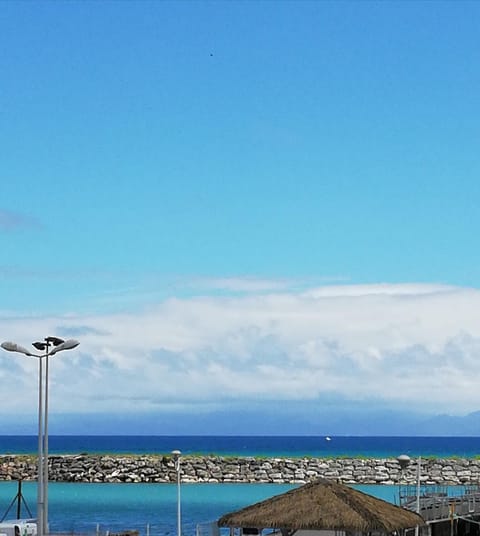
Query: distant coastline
point(218, 469)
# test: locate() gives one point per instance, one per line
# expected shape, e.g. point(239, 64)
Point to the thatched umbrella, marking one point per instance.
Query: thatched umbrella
point(324, 505)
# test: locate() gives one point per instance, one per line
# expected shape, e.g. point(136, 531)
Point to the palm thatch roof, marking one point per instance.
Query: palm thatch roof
point(324, 505)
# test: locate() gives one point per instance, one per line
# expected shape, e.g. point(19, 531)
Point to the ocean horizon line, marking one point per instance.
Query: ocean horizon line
point(242, 445)
point(324, 436)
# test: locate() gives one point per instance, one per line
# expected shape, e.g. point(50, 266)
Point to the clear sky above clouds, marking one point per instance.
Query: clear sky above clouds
point(242, 203)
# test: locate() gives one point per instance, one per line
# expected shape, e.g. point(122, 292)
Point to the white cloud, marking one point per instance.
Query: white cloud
point(415, 345)
point(241, 284)
point(413, 289)
point(251, 284)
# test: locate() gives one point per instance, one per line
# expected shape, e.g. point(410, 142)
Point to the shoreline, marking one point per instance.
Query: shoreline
point(158, 468)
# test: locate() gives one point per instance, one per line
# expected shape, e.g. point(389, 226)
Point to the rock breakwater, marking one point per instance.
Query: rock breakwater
point(196, 469)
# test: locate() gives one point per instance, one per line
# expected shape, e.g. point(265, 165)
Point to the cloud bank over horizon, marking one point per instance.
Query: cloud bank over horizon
point(398, 346)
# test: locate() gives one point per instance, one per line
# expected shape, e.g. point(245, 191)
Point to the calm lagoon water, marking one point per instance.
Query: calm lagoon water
point(115, 507)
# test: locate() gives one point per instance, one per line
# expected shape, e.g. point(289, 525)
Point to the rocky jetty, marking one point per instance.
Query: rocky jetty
point(195, 469)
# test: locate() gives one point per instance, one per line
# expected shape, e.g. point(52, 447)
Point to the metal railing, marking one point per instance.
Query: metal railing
point(436, 503)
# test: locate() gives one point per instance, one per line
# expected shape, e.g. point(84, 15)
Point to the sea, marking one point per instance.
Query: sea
point(151, 509)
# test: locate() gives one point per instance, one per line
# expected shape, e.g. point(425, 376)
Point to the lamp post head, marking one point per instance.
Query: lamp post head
point(58, 346)
point(65, 345)
point(54, 340)
point(404, 461)
point(14, 347)
point(176, 454)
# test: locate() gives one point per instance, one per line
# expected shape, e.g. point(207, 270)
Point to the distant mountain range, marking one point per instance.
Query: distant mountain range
point(251, 422)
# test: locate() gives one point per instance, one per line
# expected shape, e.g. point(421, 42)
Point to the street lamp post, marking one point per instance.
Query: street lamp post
point(51, 346)
point(419, 469)
point(404, 462)
point(176, 456)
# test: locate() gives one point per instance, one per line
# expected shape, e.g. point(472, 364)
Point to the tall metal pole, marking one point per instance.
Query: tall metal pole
point(176, 455)
point(40, 509)
point(45, 448)
point(179, 502)
point(419, 462)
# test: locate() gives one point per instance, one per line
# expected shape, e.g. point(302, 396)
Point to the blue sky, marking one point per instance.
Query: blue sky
point(289, 187)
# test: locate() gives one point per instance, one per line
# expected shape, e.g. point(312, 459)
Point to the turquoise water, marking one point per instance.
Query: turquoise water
point(75, 507)
point(115, 507)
